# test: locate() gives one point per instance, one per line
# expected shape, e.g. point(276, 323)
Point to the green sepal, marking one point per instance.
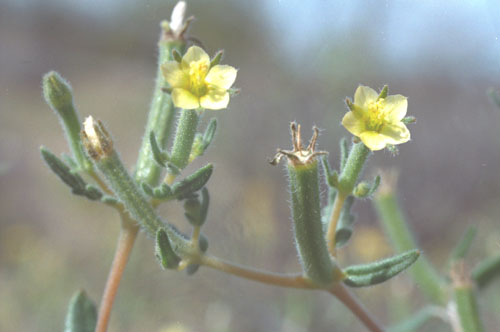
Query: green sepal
point(73, 180)
point(82, 314)
point(344, 152)
point(393, 150)
point(196, 210)
point(166, 256)
point(193, 182)
point(383, 93)
point(409, 120)
point(332, 177)
point(486, 271)
point(217, 58)
point(462, 248)
point(345, 224)
point(380, 271)
point(161, 157)
point(176, 55)
point(193, 268)
point(162, 192)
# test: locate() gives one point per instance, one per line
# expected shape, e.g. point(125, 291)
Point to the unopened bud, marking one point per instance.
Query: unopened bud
point(57, 92)
point(96, 139)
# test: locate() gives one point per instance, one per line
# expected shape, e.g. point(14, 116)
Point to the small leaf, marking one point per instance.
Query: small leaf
point(109, 200)
point(486, 271)
point(375, 184)
point(164, 252)
point(196, 210)
point(464, 245)
point(193, 182)
point(72, 179)
point(209, 133)
point(332, 177)
point(159, 156)
point(162, 192)
point(378, 272)
point(82, 314)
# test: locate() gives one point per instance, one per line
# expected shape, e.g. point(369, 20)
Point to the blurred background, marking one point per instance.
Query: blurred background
point(297, 60)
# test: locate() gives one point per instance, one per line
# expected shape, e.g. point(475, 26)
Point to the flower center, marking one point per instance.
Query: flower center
point(375, 117)
point(197, 73)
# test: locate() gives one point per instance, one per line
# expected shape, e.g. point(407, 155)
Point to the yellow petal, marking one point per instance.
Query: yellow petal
point(373, 140)
point(174, 75)
point(396, 107)
point(185, 99)
point(215, 99)
point(396, 133)
point(195, 54)
point(222, 76)
point(364, 95)
point(353, 124)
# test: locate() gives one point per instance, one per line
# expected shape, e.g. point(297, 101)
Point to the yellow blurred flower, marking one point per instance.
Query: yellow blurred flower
point(377, 119)
point(195, 84)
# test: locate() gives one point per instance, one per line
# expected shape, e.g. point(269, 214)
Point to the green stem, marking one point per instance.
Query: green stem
point(308, 230)
point(353, 167)
point(184, 137)
point(465, 300)
point(161, 117)
point(127, 192)
point(399, 232)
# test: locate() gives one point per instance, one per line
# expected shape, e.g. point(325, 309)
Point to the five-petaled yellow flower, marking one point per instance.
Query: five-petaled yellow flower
point(377, 120)
point(197, 85)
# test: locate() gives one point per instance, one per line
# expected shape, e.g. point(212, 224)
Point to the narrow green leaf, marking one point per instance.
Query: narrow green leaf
point(486, 271)
point(375, 184)
point(161, 192)
point(209, 133)
point(462, 248)
point(332, 177)
point(159, 156)
point(164, 252)
point(377, 272)
point(72, 179)
point(193, 182)
point(196, 210)
point(82, 314)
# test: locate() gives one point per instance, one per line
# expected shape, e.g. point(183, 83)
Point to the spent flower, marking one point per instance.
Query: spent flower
point(377, 119)
point(196, 84)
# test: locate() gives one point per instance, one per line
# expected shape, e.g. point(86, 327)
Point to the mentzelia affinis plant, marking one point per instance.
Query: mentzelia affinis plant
point(188, 85)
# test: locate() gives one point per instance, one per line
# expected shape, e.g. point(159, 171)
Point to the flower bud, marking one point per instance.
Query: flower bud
point(96, 139)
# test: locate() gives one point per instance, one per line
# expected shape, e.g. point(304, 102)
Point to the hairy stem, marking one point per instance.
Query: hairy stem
point(348, 299)
point(124, 247)
point(282, 280)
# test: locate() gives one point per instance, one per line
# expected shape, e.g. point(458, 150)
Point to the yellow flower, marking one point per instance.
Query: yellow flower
point(377, 119)
point(197, 85)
